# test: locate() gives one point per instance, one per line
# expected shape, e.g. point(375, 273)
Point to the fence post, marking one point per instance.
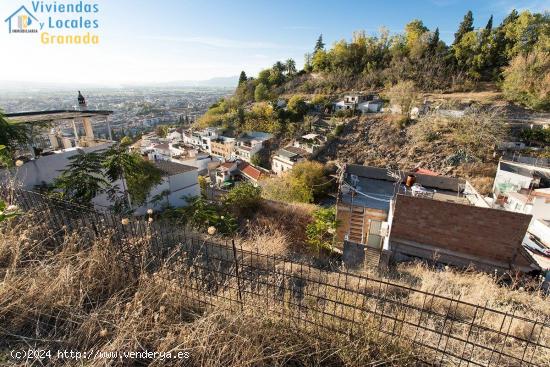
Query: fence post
point(237, 271)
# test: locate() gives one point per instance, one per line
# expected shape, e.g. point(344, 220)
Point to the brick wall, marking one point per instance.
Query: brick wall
point(490, 234)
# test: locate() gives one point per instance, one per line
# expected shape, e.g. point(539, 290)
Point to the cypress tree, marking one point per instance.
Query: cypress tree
point(242, 78)
point(489, 25)
point(319, 45)
point(466, 26)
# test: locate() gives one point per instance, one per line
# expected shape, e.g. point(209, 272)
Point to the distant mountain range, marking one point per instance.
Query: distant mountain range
point(220, 82)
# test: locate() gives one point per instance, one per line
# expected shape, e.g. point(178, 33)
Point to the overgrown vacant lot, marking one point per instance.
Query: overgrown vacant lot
point(101, 297)
point(104, 295)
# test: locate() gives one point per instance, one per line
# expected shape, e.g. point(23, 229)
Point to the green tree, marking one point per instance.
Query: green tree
point(12, 135)
point(320, 232)
point(161, 131)
point(203, 185)
point(83, 178)
point(527, 80)
point(403, 94)
point(320, 61)
point(243, 198)
point(242, 78)
point(201, 214)
point(126, 141)
point(290, 67)
point(261, 93)
point(311, 175)
point(286, 189)
point(489, 26)
point(466, 26)
point(319, 45)
point(414, 31)
point(263, 77)
point(5, 158)
point(297, 105)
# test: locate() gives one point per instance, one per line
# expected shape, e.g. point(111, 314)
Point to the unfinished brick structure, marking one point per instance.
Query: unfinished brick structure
point(460, 234)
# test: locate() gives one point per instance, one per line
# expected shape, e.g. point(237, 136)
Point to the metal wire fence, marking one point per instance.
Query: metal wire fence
point(443, 330)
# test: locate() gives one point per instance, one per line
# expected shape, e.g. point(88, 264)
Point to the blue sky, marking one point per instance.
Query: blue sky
point(156, 41)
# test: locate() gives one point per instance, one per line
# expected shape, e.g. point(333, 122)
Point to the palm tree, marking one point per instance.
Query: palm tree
point(290, 66)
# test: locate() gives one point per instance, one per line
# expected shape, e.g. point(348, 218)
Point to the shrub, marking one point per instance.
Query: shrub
point(320, 233)
point(527, 80)
point(243, 198)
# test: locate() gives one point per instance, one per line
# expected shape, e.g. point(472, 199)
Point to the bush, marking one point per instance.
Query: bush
point(320, 233)
point(243, 198)
point(286, 190)
point(527, 80)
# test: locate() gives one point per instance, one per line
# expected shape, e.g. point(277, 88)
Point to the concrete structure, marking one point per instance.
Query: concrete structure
point(36, 119)
point(356, 101)
point(285, 158)
point(222, 147)
point(370, 106)
point(179, 182)
point(415, 215)
point(523, 188)
point(250, 143)
point(311, 143)
point(459, 234)
point(44, 169)
point(201, 138)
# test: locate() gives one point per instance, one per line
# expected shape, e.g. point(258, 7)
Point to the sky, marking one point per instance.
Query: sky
point(144, 41)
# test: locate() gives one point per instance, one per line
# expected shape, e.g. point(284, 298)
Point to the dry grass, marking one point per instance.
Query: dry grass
point(103, 296)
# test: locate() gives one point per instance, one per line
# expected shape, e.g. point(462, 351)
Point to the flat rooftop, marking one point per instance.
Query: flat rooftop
point(375, 187)
point(54, 115)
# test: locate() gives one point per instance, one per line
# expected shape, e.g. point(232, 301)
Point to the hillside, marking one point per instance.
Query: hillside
point(499, 70)
point(379, 141)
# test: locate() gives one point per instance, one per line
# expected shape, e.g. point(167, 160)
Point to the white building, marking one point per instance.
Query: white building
point(163, 151)
point(285, 158)
point(44, 169)
point(201, 138)
point(516, 177)
point(179, 181)
point(536, 203)
point(370, 106)
point(311, 143)
point(250, 143)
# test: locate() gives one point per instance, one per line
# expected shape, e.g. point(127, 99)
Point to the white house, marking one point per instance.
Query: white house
point(164, 151)
point(174, 135)
point(45, 169)
point(370, 106)
point(515, 177)
point(179, 182)
point(311, 143)
point(201, 138)
point(536, 203)
point(285, 158)
point(250, 143)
